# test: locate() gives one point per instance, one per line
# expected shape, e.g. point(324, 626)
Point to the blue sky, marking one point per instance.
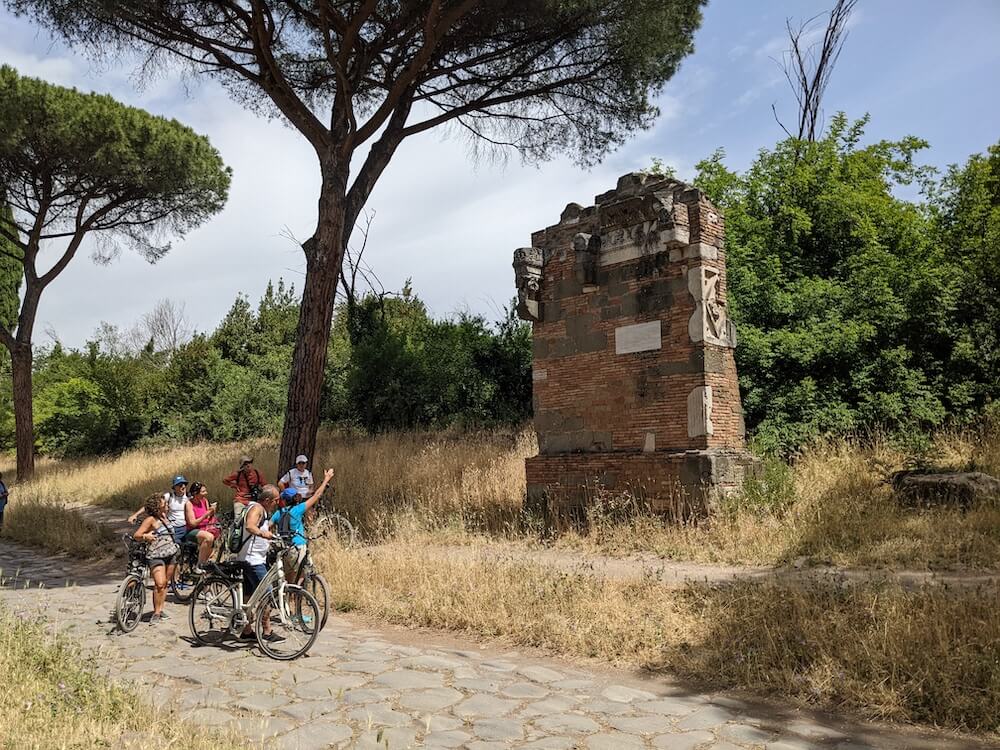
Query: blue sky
point(918, 67)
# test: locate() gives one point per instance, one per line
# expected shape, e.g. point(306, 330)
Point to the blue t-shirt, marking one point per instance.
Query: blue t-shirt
point(296, 517)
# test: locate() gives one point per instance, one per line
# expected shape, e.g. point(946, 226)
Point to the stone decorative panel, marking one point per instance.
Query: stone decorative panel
point(699, 412)
point(709, 322)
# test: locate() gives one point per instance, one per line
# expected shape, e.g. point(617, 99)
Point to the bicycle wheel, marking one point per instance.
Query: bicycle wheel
point(293, 624)
point(213, 606)
point(130, 603)
point(315, 584)
point(342, 530)
point(185, 579)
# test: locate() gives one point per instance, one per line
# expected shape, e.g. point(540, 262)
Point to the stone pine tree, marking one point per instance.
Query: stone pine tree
point(74, 165)
point(357, 77)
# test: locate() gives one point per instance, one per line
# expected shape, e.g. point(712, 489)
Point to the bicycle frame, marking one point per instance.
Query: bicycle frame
point(275, 577)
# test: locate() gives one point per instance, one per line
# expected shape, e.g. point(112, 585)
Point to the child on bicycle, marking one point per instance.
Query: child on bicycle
point(289, 520)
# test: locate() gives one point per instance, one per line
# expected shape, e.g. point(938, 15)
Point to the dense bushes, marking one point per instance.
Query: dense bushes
point(857, 308)
point(390, 365)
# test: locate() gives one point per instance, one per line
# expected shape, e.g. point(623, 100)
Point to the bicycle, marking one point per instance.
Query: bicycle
point(185, 579)
point(218, 611)
point(131, 598)
point(313, 581)
point(333, 523)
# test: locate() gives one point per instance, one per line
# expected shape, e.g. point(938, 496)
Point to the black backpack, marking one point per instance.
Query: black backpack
point(285, 524)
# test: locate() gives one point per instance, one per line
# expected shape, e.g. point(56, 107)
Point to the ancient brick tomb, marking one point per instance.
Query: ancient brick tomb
point(635, 388)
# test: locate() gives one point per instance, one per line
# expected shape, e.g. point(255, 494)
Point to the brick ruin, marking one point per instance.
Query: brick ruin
point(635, 386)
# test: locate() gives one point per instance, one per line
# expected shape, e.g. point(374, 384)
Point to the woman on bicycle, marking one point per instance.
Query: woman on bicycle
point(202, 525)
point(162, 553)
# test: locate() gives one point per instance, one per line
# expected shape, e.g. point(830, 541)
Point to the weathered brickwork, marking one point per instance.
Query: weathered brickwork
point(634, 377)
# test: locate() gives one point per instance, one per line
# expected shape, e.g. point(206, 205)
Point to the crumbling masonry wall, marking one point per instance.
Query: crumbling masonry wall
point(635, 383)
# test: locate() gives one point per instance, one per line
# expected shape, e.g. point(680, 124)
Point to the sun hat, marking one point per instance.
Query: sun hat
point(303, 459)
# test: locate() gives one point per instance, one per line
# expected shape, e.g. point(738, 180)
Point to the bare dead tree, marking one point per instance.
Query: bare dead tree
point(357, 266)
point(808, 66)
point(166, 325)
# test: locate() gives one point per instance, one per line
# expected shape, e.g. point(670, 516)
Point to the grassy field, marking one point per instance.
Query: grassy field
point(830, 505)
point(928, 656)
point(52, 698)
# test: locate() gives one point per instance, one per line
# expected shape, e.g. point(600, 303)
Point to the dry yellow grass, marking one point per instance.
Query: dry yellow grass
point(929, 656)
point(831, 506)
point(52, 698)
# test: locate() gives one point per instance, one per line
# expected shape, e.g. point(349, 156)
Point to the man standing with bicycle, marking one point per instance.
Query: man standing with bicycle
point(290, 520)
point(256, 541)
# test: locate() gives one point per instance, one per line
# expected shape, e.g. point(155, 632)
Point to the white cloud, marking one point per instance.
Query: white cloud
point(447, 222)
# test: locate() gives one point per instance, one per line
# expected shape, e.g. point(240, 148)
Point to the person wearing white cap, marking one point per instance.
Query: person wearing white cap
point(298, 478)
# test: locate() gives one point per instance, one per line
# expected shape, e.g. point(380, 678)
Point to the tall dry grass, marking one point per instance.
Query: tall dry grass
point(52, 697)
point(477, 475)
point(831, 505)
point(929, 656)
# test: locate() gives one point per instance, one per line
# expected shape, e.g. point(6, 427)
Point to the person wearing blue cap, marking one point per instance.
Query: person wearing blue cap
point(175, 499)
point(290, 519)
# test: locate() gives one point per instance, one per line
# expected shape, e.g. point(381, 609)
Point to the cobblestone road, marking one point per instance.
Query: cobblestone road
point(366, 687)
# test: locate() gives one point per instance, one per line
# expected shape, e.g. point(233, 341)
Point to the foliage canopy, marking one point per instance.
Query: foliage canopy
point(852, 305)
point(72, 163)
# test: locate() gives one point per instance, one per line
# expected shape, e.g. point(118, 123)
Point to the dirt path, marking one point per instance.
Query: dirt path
point(363, 684)
point(674, 573)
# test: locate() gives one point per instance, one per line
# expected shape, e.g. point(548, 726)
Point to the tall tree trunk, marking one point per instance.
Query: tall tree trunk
point(24, 421)
point(324, 255)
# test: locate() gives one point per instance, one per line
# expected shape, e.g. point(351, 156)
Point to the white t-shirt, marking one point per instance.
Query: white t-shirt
point(254, 552)
point(301, 481)
point(175, 508)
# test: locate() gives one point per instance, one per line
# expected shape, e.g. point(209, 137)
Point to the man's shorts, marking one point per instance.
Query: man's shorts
point(252, 576)
point(292, 559)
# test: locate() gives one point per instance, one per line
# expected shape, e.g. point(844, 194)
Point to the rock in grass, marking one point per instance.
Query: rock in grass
point(961, 489)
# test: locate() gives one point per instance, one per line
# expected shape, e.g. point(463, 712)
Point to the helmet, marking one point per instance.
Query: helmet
point(289, 496)
point(179, 479)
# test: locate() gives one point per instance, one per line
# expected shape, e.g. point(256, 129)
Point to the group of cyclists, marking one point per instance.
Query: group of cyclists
point(260, 510)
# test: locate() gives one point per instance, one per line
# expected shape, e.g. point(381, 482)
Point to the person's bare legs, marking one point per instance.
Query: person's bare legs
point(160, 579)
point(205, 542)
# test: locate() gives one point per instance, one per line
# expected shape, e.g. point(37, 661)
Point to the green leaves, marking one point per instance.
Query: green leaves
point(86, 162)
point(834, 283)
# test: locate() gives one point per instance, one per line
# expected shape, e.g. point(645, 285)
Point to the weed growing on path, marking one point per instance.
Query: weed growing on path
point(52, 697)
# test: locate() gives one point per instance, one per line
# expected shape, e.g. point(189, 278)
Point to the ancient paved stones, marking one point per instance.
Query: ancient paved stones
point(408, 679)
point(358, 689)
point(484, 705)
point(574, 723)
